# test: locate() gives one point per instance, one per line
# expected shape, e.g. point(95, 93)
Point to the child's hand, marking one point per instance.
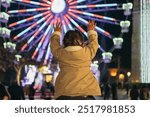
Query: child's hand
point(58, 27)
point(91, 25)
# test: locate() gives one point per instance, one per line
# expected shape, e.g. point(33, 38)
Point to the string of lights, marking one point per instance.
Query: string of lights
point(145, 42)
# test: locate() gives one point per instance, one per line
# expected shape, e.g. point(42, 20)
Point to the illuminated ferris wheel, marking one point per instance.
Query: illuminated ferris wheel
point(32, 23)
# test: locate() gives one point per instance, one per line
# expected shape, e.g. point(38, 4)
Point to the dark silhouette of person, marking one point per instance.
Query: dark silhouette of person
point(114, 91)
point(144, 92)
point(102, 88)
point(51, 87)
point(16, 91)
point(4, 95)
point(107, 91)
point(127, 87)
point(43, 90)
point(134, 93)
point(31, 91)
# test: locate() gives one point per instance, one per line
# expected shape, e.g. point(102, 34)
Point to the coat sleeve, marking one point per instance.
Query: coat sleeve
point(93, 43)
point(55, 43)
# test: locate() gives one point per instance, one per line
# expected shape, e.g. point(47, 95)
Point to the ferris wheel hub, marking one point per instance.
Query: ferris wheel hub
point(58, 6)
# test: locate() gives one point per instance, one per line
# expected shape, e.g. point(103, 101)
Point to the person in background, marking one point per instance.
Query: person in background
point(107, 90)
point(16, 91)
point(144, 92)
point(4, 95)
point(114, 92)
point(75, 80)
point(31, 91)
point(134, 93)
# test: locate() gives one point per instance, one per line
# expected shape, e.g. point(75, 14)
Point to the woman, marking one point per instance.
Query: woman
point(75, 79)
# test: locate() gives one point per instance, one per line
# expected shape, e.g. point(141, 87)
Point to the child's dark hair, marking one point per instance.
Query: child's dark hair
point(73, 38)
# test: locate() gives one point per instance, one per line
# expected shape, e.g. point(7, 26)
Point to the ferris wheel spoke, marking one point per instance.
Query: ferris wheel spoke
point(48, 2)
point(96, 1)
point(30, 27)
point(40, 56)
point(34, 43)
point(100, 48)
point(70, 1)
point(21, 27)
point(29, 10)
point(25, 36)
point(23, 4)
point(28, 19)
point(47, 54)
point(68, 23)
point(64, 26)
point(33, 2)
point(112, 49)
point(31, 45)
point(101, 20)
point(38, 31)
point(43, 38)
point(76, 2)
point(78, 17)
point(100, 30)
point(103, 10)
point(43, 49)
point(76, 25)
point(94, 6)
point(93, 15)
point(97, 28)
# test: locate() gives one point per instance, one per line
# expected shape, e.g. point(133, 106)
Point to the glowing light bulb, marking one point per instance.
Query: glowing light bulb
point(58, 6)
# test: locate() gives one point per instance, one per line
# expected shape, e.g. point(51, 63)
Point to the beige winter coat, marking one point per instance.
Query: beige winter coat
point(75, 77)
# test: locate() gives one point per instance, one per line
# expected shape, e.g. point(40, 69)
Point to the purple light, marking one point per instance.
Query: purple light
point(71, 13)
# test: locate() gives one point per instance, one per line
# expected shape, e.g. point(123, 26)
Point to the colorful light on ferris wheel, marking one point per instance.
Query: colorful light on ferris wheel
point(39, 16)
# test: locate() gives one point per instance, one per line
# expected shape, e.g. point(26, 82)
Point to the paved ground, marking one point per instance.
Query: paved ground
point(122, 95)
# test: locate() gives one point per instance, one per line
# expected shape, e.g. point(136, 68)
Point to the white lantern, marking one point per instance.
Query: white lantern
point(4, 17)
point(118, 42)
point(107, 56)
point(4, 32)
point(5, 3)
point(9, 44)
point(125, 26)
point(5, 45)
point(95, 62)
point(127, 8)
point(18, 57)
point(13, 46)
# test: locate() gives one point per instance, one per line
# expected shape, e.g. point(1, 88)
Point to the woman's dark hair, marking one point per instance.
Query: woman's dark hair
point(73, 38)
